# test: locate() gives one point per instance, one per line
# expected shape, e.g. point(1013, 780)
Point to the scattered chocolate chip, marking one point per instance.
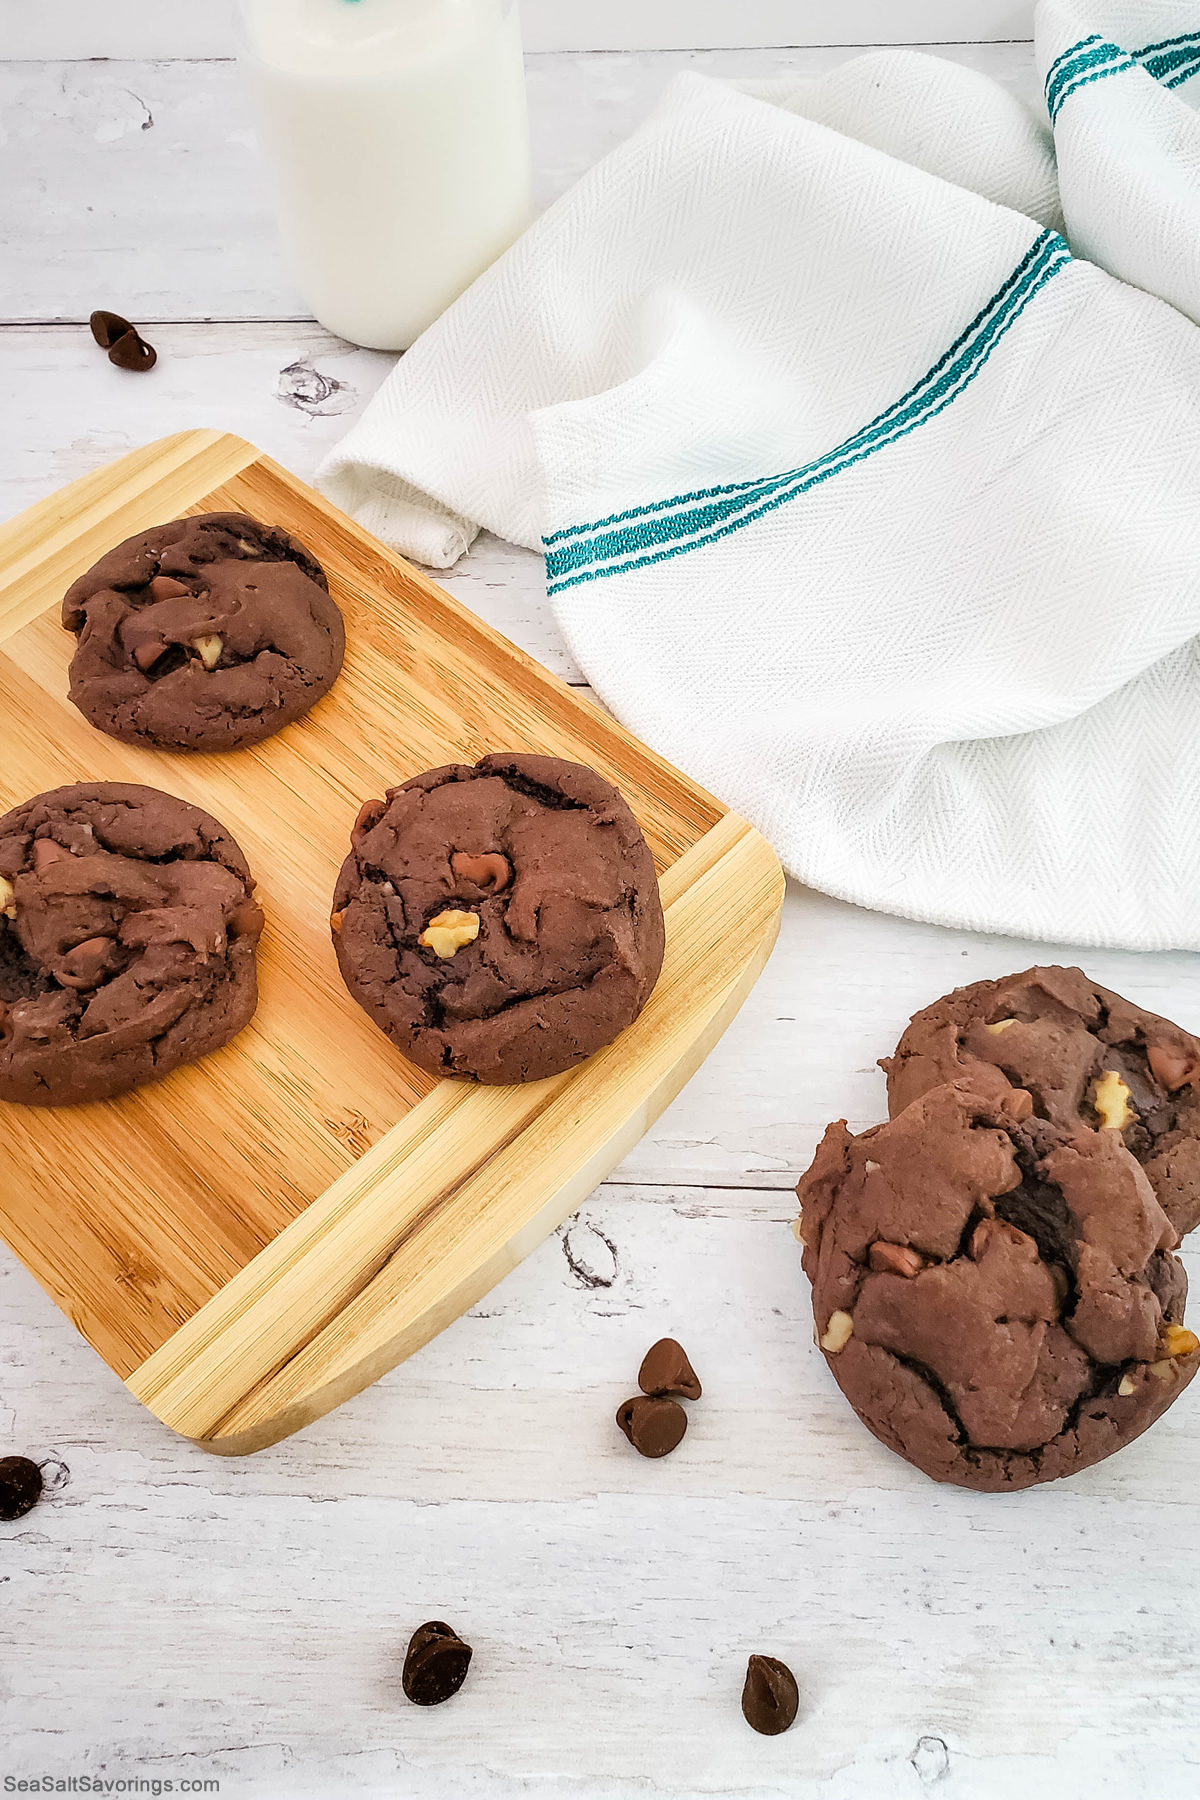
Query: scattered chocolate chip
point(107, 327)
point(20, 1486)
point(133, 352)
point(653, 1426)
point(770, 1698)
point(436, 1665)
point(666, 1370)
point(126, 347)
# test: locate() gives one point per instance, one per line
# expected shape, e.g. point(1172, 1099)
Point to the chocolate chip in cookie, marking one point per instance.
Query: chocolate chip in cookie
point(128, 939)
point(998, 1299)
point(500, 922)
point(208, 633)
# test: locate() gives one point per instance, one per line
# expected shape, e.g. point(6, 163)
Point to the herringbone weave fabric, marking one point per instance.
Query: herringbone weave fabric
point(868, 497)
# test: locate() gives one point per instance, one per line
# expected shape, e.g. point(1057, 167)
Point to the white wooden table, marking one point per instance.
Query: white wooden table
point(169, 1616)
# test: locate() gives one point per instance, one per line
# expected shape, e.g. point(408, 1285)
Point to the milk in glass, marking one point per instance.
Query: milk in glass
point(398, 135)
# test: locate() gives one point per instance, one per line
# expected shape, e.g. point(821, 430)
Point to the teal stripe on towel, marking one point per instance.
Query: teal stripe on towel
point(1088, 62)
point(1171, 61)
point(1185, 74)
point(1165, 57)
point(666, 528)
point(752, 489)
point(1073, 51)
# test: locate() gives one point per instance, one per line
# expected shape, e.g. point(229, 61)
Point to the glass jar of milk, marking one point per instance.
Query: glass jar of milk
point(399, 142)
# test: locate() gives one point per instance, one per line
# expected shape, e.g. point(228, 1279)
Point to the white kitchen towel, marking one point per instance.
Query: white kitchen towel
point(863, 499)
point(1120, 89)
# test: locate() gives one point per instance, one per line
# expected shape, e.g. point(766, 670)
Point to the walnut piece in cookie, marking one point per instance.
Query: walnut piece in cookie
point(500, 922)
point(1080, 1056)
point(1026, 1319)
point(129, 947)
point(449, 932)
point(207, 633)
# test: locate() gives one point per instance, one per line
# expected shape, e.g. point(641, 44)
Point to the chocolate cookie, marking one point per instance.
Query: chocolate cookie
point(204, 634)
point(500, 922)
point(1087, 1058)
point(127, 941)
point(996, 1296)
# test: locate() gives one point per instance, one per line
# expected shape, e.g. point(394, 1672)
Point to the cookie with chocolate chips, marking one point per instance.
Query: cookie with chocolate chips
point(1087, 1058)
point(204, 634)
point(500, 922)
point(128, 938)
point(996, 1296)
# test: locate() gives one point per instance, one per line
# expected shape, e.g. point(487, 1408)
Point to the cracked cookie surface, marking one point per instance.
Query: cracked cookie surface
point(128, 941)
point(997, 1298)
point(1072, 1046)
point(500, 922)
point(203, 634)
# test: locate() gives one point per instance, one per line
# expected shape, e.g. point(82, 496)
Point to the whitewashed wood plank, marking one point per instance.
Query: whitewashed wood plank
point(245, 1621)
point(69, 29)
point(180, 28)
point(291, 388)
point(138, 186)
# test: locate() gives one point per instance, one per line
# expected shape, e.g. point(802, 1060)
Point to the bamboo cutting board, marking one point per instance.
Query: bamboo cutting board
point(257, 1237)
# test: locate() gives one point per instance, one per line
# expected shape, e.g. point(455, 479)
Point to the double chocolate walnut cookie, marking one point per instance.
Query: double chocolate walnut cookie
point(995, 1294)
point(500, 922)
point(204, 634)
point(1088, 1059)
point(127, 942)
